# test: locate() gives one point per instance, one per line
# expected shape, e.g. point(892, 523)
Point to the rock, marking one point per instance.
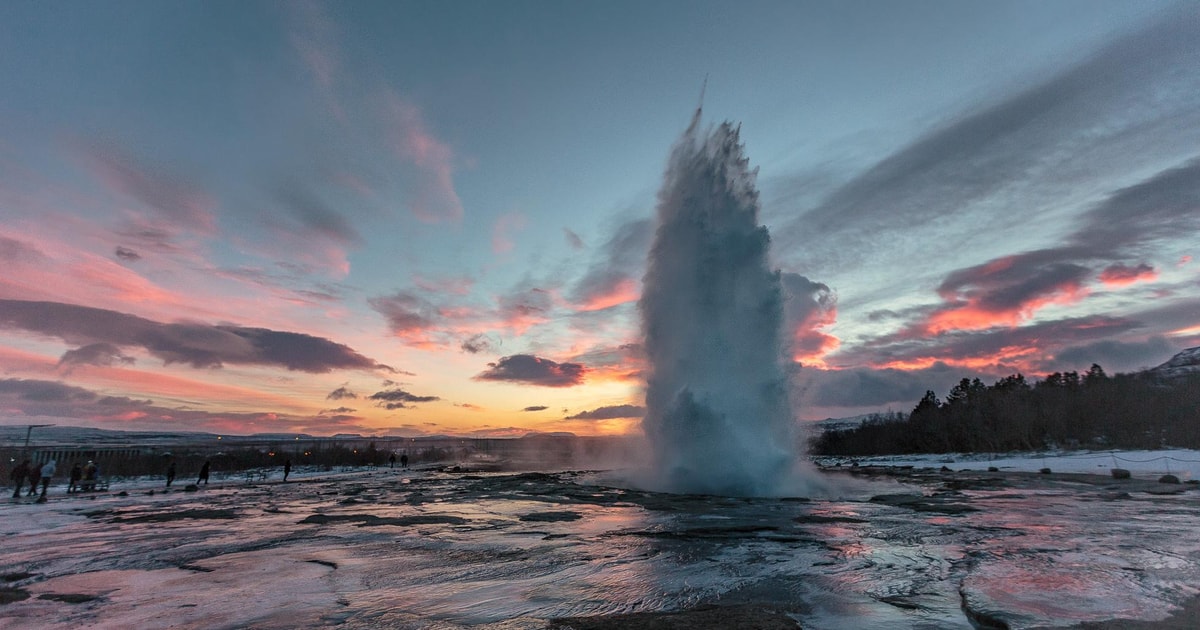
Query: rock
point(1045, 471)
point(1120, 473)
point(191, 487)
point(993, 469)
point(1168, 479)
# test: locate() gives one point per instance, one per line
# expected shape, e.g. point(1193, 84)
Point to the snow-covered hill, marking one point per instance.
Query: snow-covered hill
point(1185, 363)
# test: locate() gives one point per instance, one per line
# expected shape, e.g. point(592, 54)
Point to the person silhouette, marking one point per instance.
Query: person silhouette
point(203, 473)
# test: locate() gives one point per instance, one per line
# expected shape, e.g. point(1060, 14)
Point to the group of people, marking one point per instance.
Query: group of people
point(28, 472)
point(81, 476)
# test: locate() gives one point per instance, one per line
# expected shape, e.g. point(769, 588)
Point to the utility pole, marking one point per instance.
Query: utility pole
point(28, 433)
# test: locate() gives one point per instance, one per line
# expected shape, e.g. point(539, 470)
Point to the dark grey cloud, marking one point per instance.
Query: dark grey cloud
point(910, 346)
point(536, 408)
point(610, 412)
point(1161, 206)
point(863, 387)
point(399, 399)
point(195, 344)
point(406, 313)
point(807, 306)
point(1129, 220)
point(62, 402)
point(622, 259)
point(527, 368)
point(1117, 356)
point(341, 393)
point(338, 410)
point(525, 304)
point(13, 252)
point(573, 239)
point(480, 342)
point(43, 391)
point(1120, 272)
point(126, 254)
point(95, 354)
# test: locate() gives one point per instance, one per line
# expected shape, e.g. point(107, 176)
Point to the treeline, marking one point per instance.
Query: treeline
point(1064, 410)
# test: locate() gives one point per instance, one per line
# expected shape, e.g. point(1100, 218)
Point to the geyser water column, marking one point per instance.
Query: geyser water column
point(717, 418)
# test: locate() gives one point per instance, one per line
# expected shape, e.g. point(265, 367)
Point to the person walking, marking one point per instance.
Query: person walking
point(392, 460)
point(18, 475)
point(404, 461)
point(48, 470)
point(76, 475)
point(34, 476)
point(203, 473)
point(170, 473)
point(287, 469)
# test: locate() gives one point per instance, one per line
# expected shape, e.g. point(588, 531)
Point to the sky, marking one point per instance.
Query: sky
point(418, 218)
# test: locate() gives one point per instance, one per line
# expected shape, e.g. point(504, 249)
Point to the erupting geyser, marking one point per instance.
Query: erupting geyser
point(718, 417)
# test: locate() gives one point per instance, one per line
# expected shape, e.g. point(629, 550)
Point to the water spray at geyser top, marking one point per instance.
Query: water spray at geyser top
point(718, 417)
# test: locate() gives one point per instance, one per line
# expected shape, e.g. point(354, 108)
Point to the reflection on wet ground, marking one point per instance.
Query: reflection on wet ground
point(502, 550)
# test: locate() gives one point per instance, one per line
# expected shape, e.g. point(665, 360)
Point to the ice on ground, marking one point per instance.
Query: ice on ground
point(428, 549)
point(1183, 463)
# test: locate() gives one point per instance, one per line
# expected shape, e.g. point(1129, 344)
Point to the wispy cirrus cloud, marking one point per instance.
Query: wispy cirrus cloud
point(432, 195)
point(18, 252)
point(613, 278)
point(504, 229)
point(169, 196)
point(1128, 107)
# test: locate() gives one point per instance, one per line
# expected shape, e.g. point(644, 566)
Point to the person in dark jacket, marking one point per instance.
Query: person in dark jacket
point(76, 475)
point(203, 474)
point(18, 475)
point(170, 473)
point(287, 469)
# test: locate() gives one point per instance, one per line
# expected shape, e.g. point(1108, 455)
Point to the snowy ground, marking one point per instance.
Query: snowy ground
point(1182, 463)
point(428, 549)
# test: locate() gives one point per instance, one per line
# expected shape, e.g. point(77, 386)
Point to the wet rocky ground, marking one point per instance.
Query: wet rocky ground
point(897, 548)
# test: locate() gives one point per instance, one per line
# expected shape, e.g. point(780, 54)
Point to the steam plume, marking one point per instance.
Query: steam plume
point(717, 412)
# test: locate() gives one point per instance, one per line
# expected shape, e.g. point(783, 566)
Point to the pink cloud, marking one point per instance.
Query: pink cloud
point(502, 231)
point(1121, 275)
point(1005, 292)
point(434, 198)
point(168, 195)
point(621, 291)
point(314, 37)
